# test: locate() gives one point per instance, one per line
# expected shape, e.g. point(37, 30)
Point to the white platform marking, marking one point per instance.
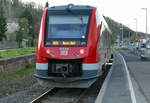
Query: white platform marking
point(133, 98)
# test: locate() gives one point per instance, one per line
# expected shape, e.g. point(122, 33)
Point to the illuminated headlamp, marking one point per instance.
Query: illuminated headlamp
point(81, 51)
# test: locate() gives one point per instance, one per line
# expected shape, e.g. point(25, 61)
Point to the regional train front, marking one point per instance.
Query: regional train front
point(67, 50)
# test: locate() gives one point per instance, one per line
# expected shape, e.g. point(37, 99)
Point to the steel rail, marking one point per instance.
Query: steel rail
point(77, 100)
point(39, 98)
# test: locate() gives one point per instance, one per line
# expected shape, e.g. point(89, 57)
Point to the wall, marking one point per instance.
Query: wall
point(16, 63)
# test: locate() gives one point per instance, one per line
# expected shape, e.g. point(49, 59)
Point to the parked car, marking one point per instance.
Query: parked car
point(145, 51)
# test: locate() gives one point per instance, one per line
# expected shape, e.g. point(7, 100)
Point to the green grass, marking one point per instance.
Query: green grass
point(18, 75)
point(16, 52)
point(117, 48)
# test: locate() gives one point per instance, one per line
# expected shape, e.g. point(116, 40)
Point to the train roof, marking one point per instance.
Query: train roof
point(72, 7)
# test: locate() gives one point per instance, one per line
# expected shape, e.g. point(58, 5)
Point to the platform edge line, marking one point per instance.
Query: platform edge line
point(133, 98)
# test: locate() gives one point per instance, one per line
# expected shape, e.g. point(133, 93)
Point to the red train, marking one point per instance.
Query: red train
point(73, 43)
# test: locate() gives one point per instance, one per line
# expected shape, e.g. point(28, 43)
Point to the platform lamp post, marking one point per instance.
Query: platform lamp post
point(128, 34)
point(136, 26)
point(146, 22)
point(122, 33)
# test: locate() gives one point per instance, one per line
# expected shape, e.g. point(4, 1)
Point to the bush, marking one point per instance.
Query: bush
point(0, 55)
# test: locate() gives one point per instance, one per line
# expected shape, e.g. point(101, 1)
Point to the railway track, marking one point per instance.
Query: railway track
point(41, 97)
point(45, 95)
point(77, 100)
point(49, 96)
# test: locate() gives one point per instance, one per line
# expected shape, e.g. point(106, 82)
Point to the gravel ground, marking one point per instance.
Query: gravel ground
point(69, 95)
point(9, 87)
point(20, 91)
point(24, 90)
point(66, 95)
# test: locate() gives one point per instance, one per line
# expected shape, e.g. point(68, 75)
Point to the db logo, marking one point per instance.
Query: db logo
point(63, 51)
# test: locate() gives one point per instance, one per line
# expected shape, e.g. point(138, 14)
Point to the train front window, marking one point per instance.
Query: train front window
point(67, 26)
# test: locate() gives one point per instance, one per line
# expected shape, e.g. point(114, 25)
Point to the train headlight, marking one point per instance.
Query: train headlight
point(81, 51)
point(48, 51)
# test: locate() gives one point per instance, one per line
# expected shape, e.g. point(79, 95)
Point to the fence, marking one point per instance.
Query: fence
point(13, 44)
point(8, 44)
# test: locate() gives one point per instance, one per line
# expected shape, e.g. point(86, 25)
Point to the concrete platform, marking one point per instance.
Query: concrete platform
point(116, 87)
point(128, 81)
point(140, 74)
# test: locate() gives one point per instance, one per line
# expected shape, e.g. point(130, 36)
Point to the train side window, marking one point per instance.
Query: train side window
point(101, 37)
point(104, 38)
point(101, 42)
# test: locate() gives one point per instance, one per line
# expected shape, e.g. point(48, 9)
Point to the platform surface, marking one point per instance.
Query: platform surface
point(128, 80)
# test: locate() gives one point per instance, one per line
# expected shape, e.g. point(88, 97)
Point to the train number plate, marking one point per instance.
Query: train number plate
point(64, 51)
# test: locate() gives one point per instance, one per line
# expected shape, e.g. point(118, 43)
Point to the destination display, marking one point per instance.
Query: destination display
point(66, 43)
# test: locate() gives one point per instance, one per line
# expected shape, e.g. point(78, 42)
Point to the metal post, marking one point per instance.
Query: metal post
point(146, 23)
point(146, 26)
point(129, 36)
point(122, 33)
point(136, 45)
point(136, 26)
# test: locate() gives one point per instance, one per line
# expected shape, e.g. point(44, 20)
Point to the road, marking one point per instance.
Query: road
point(140, 75)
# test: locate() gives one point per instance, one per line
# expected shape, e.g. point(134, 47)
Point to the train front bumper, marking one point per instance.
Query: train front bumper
point(89, 71)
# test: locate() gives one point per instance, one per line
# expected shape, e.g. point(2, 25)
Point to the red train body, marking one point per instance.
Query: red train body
point(73, 43)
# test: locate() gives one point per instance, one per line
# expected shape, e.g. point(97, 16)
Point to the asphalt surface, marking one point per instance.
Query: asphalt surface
point(140, 74)
point(129, 80)
point(117, 90)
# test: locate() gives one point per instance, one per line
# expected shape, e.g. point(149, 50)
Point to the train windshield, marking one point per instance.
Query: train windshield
point(67, 26)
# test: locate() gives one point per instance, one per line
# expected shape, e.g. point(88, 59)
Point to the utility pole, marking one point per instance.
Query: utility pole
point(122, 33)
point(146, 23)
point(136, 26)
point(128, 34)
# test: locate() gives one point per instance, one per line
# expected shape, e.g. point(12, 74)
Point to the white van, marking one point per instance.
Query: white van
point(145, 51)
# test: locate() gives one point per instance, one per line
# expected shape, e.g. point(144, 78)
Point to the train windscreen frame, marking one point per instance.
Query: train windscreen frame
point(77, 20)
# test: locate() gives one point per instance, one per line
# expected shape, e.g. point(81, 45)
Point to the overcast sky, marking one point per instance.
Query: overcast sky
point(123, 11)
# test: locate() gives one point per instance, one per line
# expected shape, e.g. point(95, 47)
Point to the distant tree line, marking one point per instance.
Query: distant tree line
point(3, 24)
point(28, 17)
point(29, 22)
point(116, 29)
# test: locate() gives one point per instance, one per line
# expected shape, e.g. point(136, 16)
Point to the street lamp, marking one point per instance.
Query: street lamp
point(136, 25)
point(122, 33)
point(146, 21)
point(128, 34)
